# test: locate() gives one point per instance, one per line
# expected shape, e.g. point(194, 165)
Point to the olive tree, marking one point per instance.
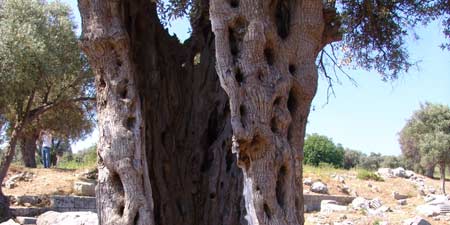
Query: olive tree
point(429, 127)
point(41, 69)
point(168, 130)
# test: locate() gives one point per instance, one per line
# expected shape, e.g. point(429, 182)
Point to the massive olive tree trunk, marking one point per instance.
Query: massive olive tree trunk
point(165, 123)
point(165, 136)
point(266, 53)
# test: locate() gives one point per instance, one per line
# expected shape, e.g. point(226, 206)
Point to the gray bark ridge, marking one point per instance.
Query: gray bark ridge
point(123, 191)
point(266, 52)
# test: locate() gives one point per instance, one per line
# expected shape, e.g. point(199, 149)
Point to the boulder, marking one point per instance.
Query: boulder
point(360, 203)
point(436, 200)
point(409, 173)
point(398, 196)
point(329, 206)
point(84, 188)
point(319, 187)
point(308, 181)
point(416, 221)
point(399, 172)
point(428, 210)
point(67, 218)
point(10, 222)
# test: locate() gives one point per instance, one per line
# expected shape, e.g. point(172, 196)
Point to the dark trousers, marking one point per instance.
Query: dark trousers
point(46, 157)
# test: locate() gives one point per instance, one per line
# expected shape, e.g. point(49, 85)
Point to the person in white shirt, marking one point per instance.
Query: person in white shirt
point(46, 138)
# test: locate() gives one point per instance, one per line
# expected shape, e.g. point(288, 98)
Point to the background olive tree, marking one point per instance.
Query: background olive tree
point(41, 70)
point(427, 134)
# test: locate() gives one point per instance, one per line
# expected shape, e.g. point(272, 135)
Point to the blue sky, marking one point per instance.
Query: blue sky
point(369, 116)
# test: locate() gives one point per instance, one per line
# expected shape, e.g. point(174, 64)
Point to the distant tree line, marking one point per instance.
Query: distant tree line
point(319, 149)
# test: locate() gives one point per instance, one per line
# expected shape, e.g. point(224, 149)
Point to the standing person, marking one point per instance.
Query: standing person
point(46, 138)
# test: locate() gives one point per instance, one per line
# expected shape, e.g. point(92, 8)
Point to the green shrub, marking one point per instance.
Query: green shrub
point(321, 149)
point(84, 159)
point(368, 175)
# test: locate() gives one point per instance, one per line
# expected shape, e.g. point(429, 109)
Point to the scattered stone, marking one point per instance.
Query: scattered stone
point(308, 181)
point(24, 176)
point(360, 203)
point(319, 187)
point(409, 173)
point(329, 206)
point(369, 185)
point(428, 210)
point(399, 172)
point(398, 196)
point(84, 188)
point(416, 221)
point(10, 222)
point(402, 202)
point(67, 218)
point(436, 200)
point(375, 203)
point(431, 190)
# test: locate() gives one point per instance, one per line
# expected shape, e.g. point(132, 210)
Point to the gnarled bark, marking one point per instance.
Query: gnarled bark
point(187, 142)
point(124, 192)
point(266, 52)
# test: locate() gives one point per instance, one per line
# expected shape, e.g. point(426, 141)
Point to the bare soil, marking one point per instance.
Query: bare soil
point(51, 181)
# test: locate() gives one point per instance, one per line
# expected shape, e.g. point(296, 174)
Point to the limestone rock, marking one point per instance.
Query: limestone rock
point(84, 188)
point(375, 203)
point(308, 181)
point(319, 187)
point(409, 173)
point(428, 210)
point(329, 206)
point(360, 203)
point(67, 218)
point(399, 172)
point(398, 196)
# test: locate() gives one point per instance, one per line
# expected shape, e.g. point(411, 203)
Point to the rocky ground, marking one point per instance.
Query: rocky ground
point(402, 198)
